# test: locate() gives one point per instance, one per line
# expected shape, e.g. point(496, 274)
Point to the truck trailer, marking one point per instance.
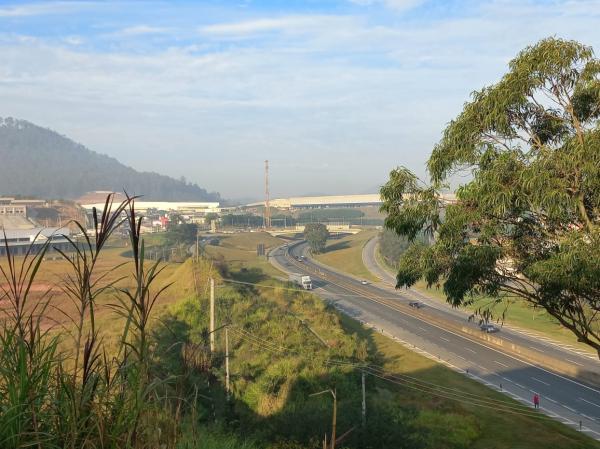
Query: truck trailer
point(301, 280)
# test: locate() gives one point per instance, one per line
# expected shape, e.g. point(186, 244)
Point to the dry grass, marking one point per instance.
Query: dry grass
point(345, 254)
point(239, 251)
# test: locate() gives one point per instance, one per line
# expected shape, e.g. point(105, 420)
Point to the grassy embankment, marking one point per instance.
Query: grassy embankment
point(272, 389)
point(515, 312)
point(277, 361)
point(239, 251)
point(345, 254)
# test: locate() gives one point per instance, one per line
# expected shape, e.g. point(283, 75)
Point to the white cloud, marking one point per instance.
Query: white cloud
point(358, 94)
point(42, 8)
point(285, 24)
point(73, 40)
point(398, 5)
point(141, 30)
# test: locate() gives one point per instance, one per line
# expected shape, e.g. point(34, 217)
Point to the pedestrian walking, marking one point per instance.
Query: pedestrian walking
point(536, 400)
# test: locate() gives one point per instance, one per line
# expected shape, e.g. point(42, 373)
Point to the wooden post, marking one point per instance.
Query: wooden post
point(364, 402)
point(212, 315)
point(334, 419)
point(227, 362)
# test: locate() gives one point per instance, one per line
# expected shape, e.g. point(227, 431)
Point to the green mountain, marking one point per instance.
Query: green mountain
point(39, 162)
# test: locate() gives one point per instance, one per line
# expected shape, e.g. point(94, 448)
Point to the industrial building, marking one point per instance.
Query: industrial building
point(184, 208)
point(19, 241)
point(340, 201)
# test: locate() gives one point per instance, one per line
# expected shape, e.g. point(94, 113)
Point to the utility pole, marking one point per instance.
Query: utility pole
point(364, 401)
point(267, 200)
point(197, 246)
point(212, 315)
point(334, 418)
point(227, 362)
point(334, 423)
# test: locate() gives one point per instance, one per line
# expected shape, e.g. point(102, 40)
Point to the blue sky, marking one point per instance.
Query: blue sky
point(334, 93)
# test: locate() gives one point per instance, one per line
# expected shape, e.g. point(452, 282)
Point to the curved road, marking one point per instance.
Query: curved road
point(510, 333)
point(565, 398)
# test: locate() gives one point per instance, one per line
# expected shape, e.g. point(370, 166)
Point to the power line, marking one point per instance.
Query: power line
point(429, 387)
point(424, 383)
point(487, 403)
point(409, 381)
point(356, 295)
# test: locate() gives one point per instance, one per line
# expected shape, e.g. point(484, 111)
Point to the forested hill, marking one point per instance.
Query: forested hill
point(35, 161)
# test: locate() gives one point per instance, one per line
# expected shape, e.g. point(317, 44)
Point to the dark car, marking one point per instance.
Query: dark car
point(416, 304)
point(488, 328)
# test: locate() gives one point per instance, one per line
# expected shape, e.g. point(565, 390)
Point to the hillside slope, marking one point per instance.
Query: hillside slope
point(39, 162)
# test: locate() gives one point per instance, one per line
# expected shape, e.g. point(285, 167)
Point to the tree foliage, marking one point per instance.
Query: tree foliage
point(391, 246)
point(184, 233)
point(527, 224)
point(316, 235)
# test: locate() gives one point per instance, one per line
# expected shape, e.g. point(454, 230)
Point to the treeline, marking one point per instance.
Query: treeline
point(39, 162)
point(347, 216)
point(392, 245)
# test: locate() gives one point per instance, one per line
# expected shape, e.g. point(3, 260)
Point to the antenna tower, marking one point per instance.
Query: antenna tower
point(267, 203)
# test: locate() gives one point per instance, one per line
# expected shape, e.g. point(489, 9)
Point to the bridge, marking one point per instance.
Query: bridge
point(332, 228)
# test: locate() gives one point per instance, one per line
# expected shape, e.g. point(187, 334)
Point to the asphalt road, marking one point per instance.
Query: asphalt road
point(566, 399)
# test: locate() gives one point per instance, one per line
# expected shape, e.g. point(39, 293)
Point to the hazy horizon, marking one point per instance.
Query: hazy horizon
point(335, 94)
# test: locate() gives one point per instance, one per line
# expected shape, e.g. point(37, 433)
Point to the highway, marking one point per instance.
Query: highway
point(436, 333)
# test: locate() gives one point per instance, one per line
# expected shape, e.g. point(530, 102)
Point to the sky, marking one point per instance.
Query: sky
point(333, 93)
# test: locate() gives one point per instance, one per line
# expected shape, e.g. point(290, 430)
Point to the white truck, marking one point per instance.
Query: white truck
point(301, 280)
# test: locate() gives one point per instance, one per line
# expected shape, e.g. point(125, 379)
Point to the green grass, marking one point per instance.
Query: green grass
point(496, 429)
point(345, 254)
point(273, 390)
point(239, 250)
point(517, 313)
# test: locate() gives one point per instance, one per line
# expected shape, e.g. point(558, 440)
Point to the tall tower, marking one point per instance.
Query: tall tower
point(267, 204)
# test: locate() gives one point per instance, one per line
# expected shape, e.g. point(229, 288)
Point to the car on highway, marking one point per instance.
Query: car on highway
point(364, 282)
point(488, 328)
point(416, 304)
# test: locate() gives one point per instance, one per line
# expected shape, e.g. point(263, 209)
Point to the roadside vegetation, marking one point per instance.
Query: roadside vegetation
point(345, 254)
point(131, 365)
point(316, 234)
point(515, 311)
point(526, 225)
point(278, 360)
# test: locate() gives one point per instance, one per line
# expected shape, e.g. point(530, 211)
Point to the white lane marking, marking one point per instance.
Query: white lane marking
point(423, 329)
point(470, 350)
point(591, 403)
point(588, 417)
point(492, 349)
point(500, 363)
point(540, 381)
point(511, 327)
point(495, 350)
point(551, 400)
point(445, 339)
point(573, 361)
point(569, 408)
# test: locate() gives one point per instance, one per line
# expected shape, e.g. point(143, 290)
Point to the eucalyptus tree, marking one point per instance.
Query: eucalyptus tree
point(316, 234)
point(527, 223)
